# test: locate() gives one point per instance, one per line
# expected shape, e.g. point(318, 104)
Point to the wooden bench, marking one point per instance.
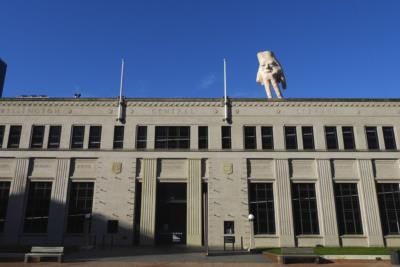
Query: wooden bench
point(46, 252)
point(299, 253)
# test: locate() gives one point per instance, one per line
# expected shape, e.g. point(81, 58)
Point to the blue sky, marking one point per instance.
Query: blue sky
point(174, 48)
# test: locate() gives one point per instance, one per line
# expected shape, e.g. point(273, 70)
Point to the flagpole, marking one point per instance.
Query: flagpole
point(225, 94)
point(120, 102)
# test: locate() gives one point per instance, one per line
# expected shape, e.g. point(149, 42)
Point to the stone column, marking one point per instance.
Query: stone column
point(369, 203)
point(46, 136)
point(151, 136)
point(326, 199)
point(148, 206)
point(16, 203)
point(194, 137)
point(6, 135)
point(193, 205)
point(284, 204)
point(58, 203)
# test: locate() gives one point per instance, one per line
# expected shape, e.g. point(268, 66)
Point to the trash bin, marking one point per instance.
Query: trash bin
point(395, 257)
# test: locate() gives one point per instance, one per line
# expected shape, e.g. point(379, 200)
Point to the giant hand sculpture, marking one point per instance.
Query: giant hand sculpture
point(270, 73)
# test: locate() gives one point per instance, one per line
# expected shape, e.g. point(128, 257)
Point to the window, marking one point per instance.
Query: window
point(94, 137)
point(262, 207)
point(348, 137)
point(229, 227)
point(226, 137)
point(389, 207)
point(37, 208)
point(388, 137)
point(4, 195)
point(141, 137)
point(80, 206)
point(118, 137)
point(250, 139)
point(78, 134)
point(290, 137)
point(348, 209)
point(267, 137)
point(372, 137)
point(308, 137)
point(203, 137)
point(331, 137)
point(37, 136)
point(2, 130)
point(54, 137)
point(305, 209)
point(170, 137)
point(14, 136)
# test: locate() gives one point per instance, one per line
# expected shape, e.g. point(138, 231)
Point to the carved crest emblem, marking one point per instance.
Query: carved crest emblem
point(228, 168)
point(117, 167)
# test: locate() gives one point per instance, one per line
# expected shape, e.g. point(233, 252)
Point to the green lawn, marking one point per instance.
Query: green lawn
point(343, 251)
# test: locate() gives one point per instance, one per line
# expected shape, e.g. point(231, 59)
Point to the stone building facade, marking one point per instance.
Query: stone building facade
point(311, 171)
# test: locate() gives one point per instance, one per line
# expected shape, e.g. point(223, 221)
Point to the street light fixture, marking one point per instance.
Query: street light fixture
point(251, 221)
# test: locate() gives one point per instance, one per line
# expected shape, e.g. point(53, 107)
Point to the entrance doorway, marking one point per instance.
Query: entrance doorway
point(171, 213)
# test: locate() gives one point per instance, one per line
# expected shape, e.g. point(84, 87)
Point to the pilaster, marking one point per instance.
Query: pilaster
point(148, 205)
point(326, 199)
point(284, 200)
point(15, 210)
point(58, 203)
point(194, 220)
point(369, 203)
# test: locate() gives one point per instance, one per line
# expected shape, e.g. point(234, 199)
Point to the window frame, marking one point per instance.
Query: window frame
point(5, 187)
point(17, 144)
point(299, 201)
point(2, 134)
point(290, 135)
point(95, 144)
point(31, 143)
point(49, 141)
point(174, 137)
point(139, 139)
point(72, 142)
point(227, 137)
point(393, 137)
point(202, 138)
point(335, 136)
point(369, 145)
point(265, 137)
point(354, 147)
point(305, 135)
point(118, 141)
point(250, 142)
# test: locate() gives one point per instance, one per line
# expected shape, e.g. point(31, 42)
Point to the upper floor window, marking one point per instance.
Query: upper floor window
point(290, 137)
point(305, 209)
point(171, 137)
point(141, 137)
point(331, 137)
point(308, 137)
point(37, 208)
point(80, 204)
point(226, 137)
point(37, 136)
point(54, 136)
point(94, 137)
point(2, 130)
point(203, 137)
point(267, 137)
point(348, 209)
point(4, 196)
point(388, 137)
point(250, 138)
point(118, 137)
point(348, 137)
point(14, 136)
point(78, 134)
point(372, 137)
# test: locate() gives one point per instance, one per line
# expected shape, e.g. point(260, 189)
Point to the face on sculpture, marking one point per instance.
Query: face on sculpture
point(268, 67)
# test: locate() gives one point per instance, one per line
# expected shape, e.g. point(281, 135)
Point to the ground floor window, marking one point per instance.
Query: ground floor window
point(262, 207)
point(4, 195)
point(389, 206)
point(37, 208)
point(348, 209)
point(80, 206)
point(305, 209)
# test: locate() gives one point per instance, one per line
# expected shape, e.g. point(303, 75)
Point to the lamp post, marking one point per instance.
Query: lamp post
point(251, 222)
